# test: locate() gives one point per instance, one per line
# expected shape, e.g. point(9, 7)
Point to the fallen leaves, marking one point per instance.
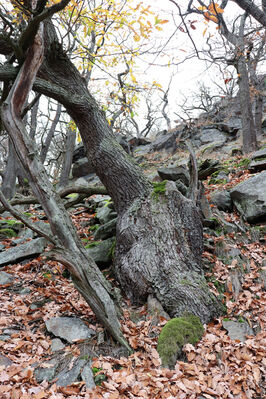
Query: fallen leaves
point(217, 367)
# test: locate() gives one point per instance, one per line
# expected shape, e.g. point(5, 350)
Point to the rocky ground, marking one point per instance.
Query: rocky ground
point(51, 344)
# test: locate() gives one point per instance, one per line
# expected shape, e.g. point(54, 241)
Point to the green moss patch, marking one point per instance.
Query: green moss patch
point(10, 233)
point(175, 334)
point(159, 188)
point(92, 244)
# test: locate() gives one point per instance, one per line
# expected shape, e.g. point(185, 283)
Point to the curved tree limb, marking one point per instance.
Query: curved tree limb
point(88, 279)
point(251, 8)
point(18, 215)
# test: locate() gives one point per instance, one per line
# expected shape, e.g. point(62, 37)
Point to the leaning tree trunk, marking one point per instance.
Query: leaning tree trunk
point(159, 240)
point(178, 274)
point(68, 250)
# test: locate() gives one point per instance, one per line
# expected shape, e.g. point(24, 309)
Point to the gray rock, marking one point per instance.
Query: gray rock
point(79, 152)
point(46, 373)
point(68, 328)
point(5, 278)
point(5, 361)
point(57, 345)
point(26, 233)
point(166, 142)
point(66, 376)
point(231, 126)
point(208, 167)
point(97, 199)
point(175, 173)
point(4, 337)
point(181, 187)
point(23, 251)
point(87, 376)
point(211, 135)
point(142, 150)
point(222, 200)
point(237, 330)
point(101, 252)
point(249, 198)
point(24, 291)
point(257, 165)
point(82, 167)
point(2, 247)
point(105, 214)
point(259, 154)
point(107, 230)
point(262, 276)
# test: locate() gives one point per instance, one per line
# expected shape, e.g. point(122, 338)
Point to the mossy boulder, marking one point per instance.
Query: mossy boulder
point(9, 233)
point(175, 334)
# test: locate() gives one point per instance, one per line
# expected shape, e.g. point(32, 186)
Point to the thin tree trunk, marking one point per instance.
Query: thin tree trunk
point(86, 276)
point(50, 135)
point(67, 159)
point(248, 126)
point(10, 173)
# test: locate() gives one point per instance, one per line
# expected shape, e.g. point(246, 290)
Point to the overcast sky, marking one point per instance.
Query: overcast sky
point(187, 76)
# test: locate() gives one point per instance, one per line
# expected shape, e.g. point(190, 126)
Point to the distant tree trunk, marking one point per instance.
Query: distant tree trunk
point(50, 135)
point(10, 173)
point(248, 125)
point(258, 113)
point(33, 121)
point(67, 159)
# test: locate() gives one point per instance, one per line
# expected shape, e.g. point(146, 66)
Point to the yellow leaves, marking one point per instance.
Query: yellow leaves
point(136, 38)
point(79, 138)
point(211, 13)
point(154, 83)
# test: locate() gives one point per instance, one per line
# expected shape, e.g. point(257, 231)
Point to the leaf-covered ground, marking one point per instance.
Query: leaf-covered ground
point(217, 367)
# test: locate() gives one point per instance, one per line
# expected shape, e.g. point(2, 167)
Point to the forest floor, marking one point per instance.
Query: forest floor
point(217, 367)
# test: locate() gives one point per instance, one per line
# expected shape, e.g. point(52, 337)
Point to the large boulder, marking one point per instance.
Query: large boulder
point(249, 198)
point(222, 200)
point(258, 162)
point(101, 251)
point(166, 142)
point(69, 328)
point(82, 167)
point(28, 250)
point(212, 135)
point(207, 168)
point(175, 173)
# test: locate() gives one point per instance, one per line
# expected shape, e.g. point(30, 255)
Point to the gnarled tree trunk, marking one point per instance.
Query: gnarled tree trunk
point(159, 238)
point(158, 243)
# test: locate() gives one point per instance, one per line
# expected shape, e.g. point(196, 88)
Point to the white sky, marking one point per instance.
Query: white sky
point(188, 75)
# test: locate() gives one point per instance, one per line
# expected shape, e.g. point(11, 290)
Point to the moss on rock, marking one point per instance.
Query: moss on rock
point(175, 334)
point(10, 233)
point(159, 188)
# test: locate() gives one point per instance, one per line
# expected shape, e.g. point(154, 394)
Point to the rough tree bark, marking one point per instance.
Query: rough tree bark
point(151, 256)
point(10, 173)
point(159, 237)
point(67, 159)
point(50, 135)
point(69, 251)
